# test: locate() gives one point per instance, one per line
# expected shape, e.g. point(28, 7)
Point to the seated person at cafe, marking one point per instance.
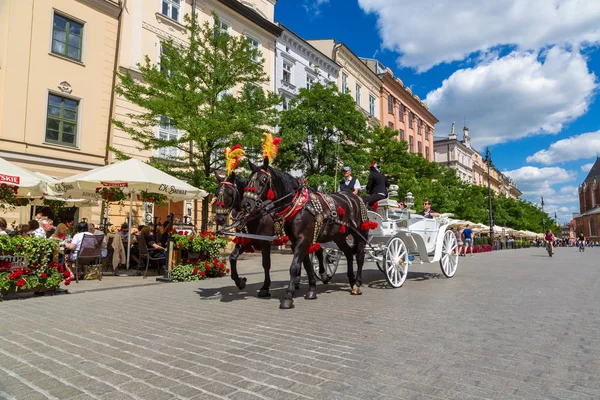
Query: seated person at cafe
point(154, 249)
point(427, 211)
point(92, 229)
point(82, 229)
point(48, 226)
point(60, 233)
point(35, 229)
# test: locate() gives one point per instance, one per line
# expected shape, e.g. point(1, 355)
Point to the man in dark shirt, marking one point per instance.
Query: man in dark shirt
point(427, 211)
point(376, 186)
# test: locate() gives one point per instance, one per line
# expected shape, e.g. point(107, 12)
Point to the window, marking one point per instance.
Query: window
point(170, 8)
point(391, 125)
point(401, 112)
point(287, 72)
point(401, 134)
point(419, 126)
point(223, 26)
point(390, 104)
point(166, 131)
point(419, 146)
point(426, 132)
point(344, 83)
point(410, 119)
point(411, 144)
point(286, 104)
point(357, 94)
point(67, 37)
point(427, 152)
point(255, 44)
point(372, 105)
point(61, 122)
point(309, 82)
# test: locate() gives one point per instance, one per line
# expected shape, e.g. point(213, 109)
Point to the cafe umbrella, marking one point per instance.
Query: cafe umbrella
point(27, 184)
point(132, 177)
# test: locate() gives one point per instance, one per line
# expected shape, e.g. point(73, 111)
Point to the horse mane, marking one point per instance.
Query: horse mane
point(288, 183)
point(239, 182)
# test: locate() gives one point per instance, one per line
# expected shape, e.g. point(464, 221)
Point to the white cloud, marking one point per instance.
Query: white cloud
point(430, 32)
point(587, 167)
point(314, 6)
point(515, 96)
point(549, 182)
point(585, 145)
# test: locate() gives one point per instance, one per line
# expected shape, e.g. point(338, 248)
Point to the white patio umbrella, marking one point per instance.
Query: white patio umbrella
point(82, 198)
point(131, 176)
point(28, 184)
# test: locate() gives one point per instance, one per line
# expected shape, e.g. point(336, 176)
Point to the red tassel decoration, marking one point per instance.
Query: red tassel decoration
point(313, 248)
point(341, 211)
point(375, 206)
point(368, 225)
point(343, 229)
point(270, 194)
point(236, 240)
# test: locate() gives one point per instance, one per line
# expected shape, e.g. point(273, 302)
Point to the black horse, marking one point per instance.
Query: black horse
point(229, 195)
point(309, 218)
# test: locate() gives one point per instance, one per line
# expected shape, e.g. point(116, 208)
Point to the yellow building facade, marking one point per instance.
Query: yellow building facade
point(56, 76)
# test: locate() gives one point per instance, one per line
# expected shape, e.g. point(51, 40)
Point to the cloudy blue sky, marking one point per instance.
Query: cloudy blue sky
point(522, 73)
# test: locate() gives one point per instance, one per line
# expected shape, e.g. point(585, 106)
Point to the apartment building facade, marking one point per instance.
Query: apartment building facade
point(56, 76)
point(355, 78)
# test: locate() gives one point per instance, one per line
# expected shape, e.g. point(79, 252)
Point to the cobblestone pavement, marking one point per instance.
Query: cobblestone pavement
point(510, 325)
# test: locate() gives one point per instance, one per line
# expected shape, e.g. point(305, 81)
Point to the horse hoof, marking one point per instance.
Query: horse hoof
point(325, 278)
point(286, 304)
point(241, 284)
point(356, 290)
point(264, 293)
point(310, 296)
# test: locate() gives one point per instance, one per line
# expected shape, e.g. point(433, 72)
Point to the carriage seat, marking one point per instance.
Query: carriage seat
point(387, 203)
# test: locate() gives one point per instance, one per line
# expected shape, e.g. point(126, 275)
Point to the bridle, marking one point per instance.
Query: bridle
point(224, 210)
point(253, 194)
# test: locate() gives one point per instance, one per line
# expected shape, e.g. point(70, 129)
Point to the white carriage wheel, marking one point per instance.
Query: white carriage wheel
point(331, 260)
point(449, 260)
point(396, 262)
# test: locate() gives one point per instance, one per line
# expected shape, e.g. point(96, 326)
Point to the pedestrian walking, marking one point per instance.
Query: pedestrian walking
point(467, 235)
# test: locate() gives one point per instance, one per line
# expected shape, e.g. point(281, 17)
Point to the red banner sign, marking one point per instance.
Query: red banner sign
point(114, 184)
point(13, 180)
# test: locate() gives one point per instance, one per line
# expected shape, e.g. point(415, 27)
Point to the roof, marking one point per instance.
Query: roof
point(594, 172)
point(253, 16)
point(593, 211)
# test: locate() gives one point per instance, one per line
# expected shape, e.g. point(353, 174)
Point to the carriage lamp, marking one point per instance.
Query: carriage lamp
point(409, 200)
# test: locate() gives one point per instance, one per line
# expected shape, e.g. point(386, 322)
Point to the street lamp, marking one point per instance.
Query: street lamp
point(409, 201)
point(488, 161)
point(543, 218)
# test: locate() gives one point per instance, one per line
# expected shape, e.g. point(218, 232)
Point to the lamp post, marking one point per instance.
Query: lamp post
point(543, 218)
point(488, 161)
point(409, 201)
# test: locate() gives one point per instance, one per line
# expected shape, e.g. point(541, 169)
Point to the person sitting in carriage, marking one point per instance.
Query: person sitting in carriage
point(349, 183)
point(376, 186)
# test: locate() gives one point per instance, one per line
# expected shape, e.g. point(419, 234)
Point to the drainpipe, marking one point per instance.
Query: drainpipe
point(194, 219)
point(114, 80)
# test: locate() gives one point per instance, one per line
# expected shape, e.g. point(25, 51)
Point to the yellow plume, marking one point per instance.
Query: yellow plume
point(233, 157)
point(270, 146)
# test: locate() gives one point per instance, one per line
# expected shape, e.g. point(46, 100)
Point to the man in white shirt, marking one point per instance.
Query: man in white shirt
point(349, 184)
point(92, 229)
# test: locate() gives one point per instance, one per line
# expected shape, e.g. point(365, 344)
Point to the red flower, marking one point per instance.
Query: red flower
point(179, 245)
point(186, 233)
point(212, 238)
point(202, 273)
point(208, 267)
point(195, 271)
point(180, 233)
point(215, 261)
point(222, 265)
point(66, 274)
point(187, 261)
point(196, 262)
point(191, 238)
point(43, 275)
point(21, 282)
point(227, 270)
point(18, 246)
point(60, 270)
point(67, 281)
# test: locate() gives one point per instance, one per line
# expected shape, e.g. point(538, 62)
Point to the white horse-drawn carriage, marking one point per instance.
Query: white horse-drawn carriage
point(400, 237)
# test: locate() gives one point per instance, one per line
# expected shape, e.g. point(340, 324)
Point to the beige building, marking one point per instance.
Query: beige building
point(355, 77)
point(147, 23)
point(57, 59)
point(499, 183)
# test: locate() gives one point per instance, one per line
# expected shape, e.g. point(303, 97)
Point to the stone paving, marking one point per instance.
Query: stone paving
point(510, 325)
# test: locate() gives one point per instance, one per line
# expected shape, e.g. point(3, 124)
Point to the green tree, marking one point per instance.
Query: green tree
point(321, 129)
point(208, 88)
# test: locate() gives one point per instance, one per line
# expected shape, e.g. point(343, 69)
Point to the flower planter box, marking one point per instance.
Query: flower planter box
point(36, 290)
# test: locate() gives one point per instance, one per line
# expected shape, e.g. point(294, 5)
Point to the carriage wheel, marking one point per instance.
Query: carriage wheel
point(396, 262)
point(449, 260)
point(331, 259)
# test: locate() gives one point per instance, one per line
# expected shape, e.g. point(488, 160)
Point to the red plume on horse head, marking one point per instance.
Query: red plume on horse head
point(232, 157)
